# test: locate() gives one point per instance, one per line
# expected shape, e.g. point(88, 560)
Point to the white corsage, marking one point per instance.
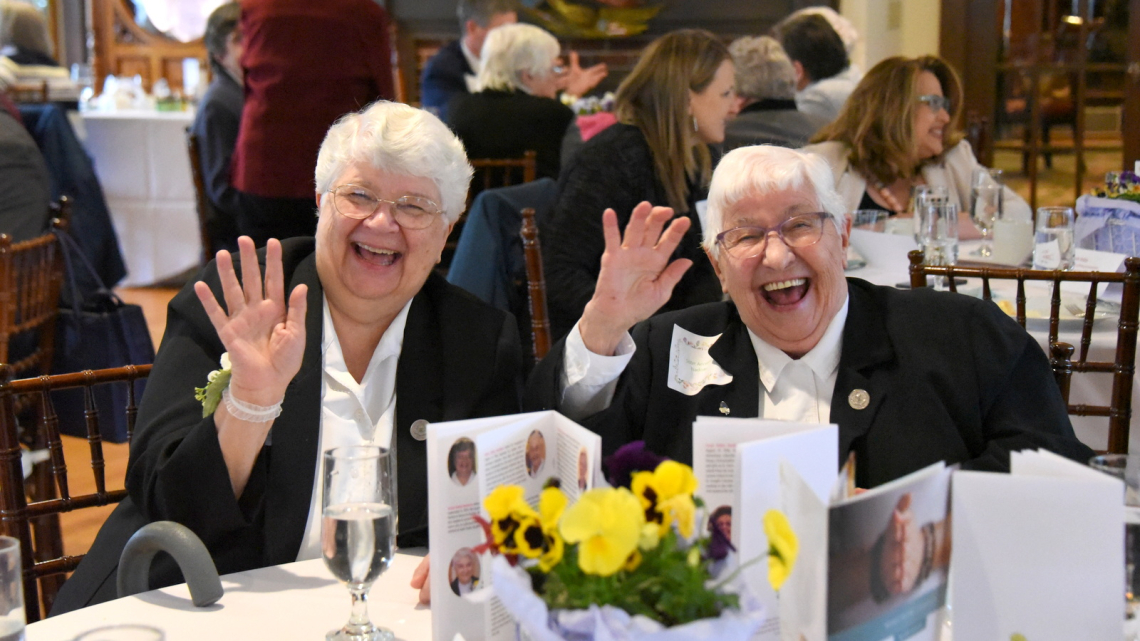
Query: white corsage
point(216, 382)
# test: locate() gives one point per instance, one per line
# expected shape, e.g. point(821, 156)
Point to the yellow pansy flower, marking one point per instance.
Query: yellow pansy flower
point(650, 537)
point(606, 523)
point(783, 546)
point(666, 495)
point(551, 505)
point(507, 510)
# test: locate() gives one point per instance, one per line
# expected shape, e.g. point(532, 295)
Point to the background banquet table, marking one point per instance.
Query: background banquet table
point(143, 166)
point(293, 601)
point(1094, 389)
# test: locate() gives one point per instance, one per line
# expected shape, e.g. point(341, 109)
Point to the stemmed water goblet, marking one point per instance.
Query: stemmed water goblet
point(358, 530)
point(986, 192)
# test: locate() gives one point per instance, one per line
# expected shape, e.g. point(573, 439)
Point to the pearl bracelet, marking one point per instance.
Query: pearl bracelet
point(248, 411)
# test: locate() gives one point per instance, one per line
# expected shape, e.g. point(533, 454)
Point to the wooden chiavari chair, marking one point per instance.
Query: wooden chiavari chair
point(1122, 367)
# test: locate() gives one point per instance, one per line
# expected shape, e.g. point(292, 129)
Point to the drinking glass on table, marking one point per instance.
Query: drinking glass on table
point(986, 204)
point(11, 591)
point(1053, 246)
point(922, 196)
point(939, 233)
point(1127, 469)
point(358, 530)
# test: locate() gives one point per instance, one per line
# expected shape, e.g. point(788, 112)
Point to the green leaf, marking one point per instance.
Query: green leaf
point(211, 394)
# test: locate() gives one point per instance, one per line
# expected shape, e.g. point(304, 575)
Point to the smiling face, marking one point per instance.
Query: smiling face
point(463, 465)
point(786, 296)
point(724, 524)
point(371, 268)
point(715, 105)
point(464, 568)
point(535, 451)
point(929, 125)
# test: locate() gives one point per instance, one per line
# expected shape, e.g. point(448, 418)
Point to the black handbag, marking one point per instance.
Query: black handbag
point(96, 331)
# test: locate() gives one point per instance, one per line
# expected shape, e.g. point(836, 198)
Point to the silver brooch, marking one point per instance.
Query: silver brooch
point(419, 430)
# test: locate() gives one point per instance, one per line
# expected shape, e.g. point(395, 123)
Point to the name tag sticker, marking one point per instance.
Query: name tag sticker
point(690, 366)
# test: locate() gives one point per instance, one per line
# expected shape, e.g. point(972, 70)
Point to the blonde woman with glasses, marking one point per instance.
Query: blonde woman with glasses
point(899, 129)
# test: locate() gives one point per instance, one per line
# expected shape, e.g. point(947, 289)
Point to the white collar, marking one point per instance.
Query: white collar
point(390, 345)
point(472, 59)
point(823, 359)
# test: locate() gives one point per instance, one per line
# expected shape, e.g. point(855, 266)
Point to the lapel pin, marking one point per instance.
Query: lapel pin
point(724, 408)
point(419, 430)
point(859, 399)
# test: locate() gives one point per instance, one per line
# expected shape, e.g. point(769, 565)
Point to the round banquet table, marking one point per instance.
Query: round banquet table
point(293, 601)
point(144, 169)
point(1093, 389)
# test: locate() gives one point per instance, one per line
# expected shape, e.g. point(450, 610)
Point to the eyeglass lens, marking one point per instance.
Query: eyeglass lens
point(799, 231)
point(413, 212)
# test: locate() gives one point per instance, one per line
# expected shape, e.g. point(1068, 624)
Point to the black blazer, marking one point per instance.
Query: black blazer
point(460, 359)
point(443, 79)
point(504, 124)
point(614, 169)
point(949, 378)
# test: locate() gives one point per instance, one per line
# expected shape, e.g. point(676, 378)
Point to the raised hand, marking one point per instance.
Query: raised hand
point(264, 338)
point(579, 81)
point(636, 277)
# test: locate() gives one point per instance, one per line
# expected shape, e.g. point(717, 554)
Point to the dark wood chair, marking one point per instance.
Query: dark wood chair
point(31, 275)
point(1123, 365)
point(201, 200)
point(489, 172)
point(35, 522)
point(535, 286)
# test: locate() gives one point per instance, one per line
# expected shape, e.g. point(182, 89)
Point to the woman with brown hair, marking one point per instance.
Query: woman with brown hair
point(899, 129)
point(671, 107)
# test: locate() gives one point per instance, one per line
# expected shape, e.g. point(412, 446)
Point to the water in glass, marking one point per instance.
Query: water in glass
point(358, 529)
point(1053, 246)
point(363, 541)
point(986, 205)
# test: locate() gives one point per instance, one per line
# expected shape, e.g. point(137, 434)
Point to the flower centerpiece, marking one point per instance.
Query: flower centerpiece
point(623, 559)
point(1124, 185)
point(1109, 218)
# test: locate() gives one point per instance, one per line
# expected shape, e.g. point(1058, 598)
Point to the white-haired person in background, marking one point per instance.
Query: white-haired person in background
point(516, 108)
point(766, 87)
point(353, 339)
point(910, 377)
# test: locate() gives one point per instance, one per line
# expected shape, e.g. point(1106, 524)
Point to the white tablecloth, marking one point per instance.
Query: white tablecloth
point(293, 601)
point(1090, 389)
point(142, 164)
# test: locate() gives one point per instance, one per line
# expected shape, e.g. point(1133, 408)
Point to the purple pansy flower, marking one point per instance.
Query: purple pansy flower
point(630, 458)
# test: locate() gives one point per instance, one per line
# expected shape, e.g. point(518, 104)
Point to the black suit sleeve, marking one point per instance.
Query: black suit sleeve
point(176, 467)
point(1022, 406)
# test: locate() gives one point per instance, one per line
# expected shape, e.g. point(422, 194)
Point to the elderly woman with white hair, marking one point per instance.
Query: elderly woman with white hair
point(516, 108)
point(348, 338)
point(910, 377)
point(766, 87)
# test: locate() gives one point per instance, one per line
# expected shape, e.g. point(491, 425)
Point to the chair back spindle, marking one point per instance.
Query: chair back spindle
point(536, 285)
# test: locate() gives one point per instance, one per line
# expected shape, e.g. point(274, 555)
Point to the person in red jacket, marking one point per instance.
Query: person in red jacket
point(306, 64)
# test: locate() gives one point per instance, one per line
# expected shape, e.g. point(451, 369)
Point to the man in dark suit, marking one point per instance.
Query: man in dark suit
point(216, 123)
point(910, 378)
point(452, 70)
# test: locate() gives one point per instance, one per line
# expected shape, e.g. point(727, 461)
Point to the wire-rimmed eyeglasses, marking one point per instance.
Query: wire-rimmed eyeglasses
point(935, 102)
point(797, 231)
point(410, 212)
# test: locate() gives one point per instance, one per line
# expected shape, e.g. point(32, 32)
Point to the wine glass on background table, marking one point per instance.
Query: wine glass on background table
point(358, 531)
point(986, 205)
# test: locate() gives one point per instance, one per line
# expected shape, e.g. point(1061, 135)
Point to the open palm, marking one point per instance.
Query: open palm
point(264, 338)
point(636, 277)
